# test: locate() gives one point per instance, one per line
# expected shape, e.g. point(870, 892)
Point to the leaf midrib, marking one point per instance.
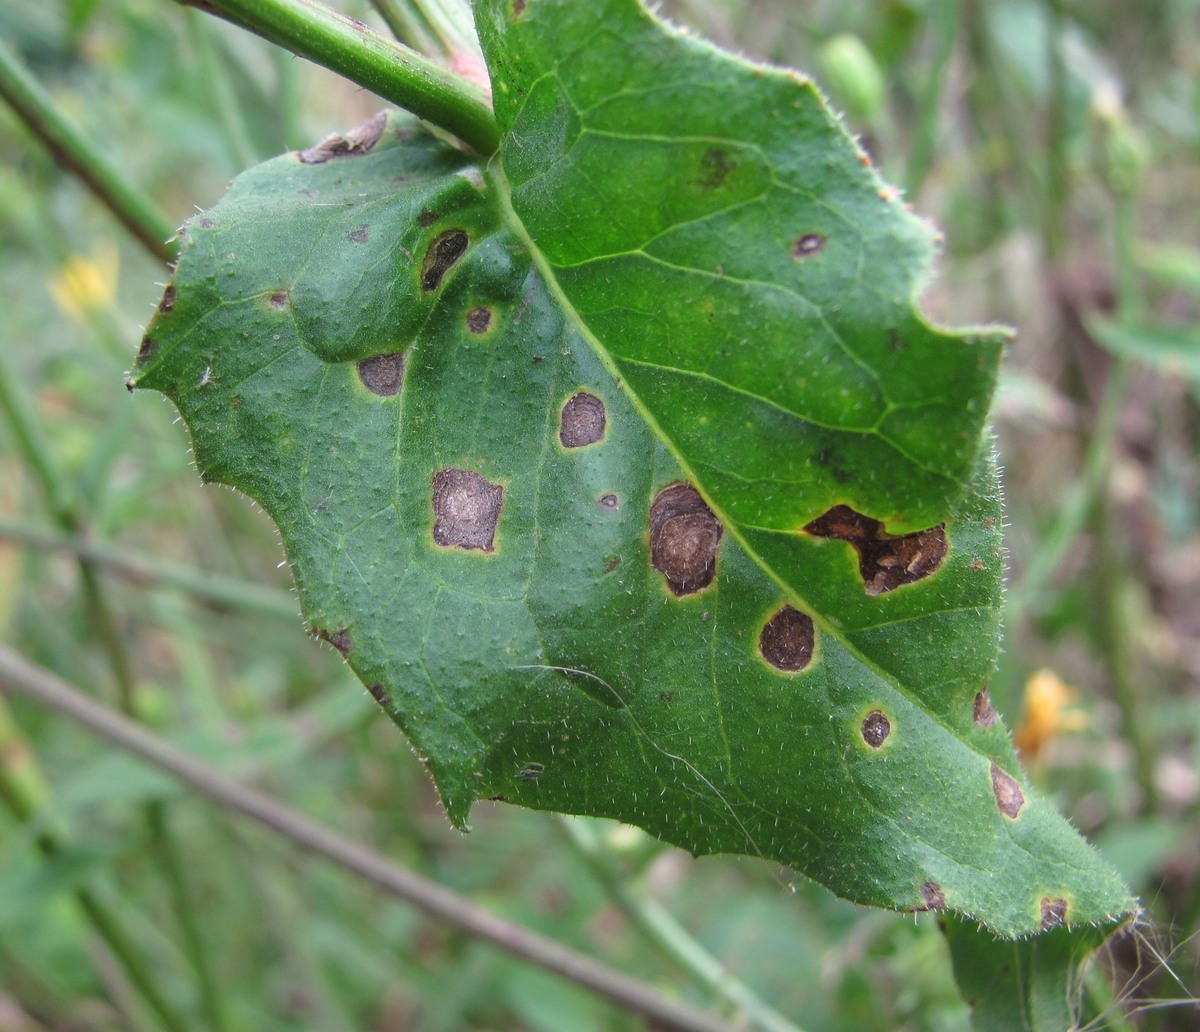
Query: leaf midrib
point(502, 197)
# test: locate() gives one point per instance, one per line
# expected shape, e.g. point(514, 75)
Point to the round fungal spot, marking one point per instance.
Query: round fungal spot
point(1054, 913)
point(984, 712)
point(787, 640)
point(279, 300)
point(426, 219)
point(684, 535)
point(168, 299)
point(148, 347)
point(358, 236)
point(582, 421)
point(875, 729)
point(608, 501)
point(379, 694)
point(1009, 797)
point(479, 320)
point(443, 254)
point(466, 510)
point(383, 374)
point(808, 245)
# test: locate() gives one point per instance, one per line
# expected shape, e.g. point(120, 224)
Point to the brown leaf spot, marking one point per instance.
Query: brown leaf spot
point(582, 421)
point(379, 694)
point(466, 508)
point(358, 236)
point(279, 300)
point(808, 245)
point(356, 142)
point(518, 8)
point(1054, 913)
point(426, 219)
point(339, 639)
point(207, 223)
point(787, 640)
point(985, 713)
point(608, 501)
point(612, 564)
point(875, 729)
point(168, 299)
point(885, 562)
point(684, 535)
point(479, 320)
point(932, 893)
point(383, 374)
point(443, 253)
point(715, 167)
point(1009, 796)
point(149, 346)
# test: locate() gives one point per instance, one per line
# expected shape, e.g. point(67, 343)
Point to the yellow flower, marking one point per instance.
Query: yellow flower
point(86, 284)
point(1046, 713)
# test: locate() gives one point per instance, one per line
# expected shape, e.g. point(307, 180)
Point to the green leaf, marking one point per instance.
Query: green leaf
point(624, 472)
point(1028, 986)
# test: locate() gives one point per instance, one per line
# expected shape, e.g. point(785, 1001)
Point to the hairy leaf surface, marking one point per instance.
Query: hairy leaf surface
point(623, 471)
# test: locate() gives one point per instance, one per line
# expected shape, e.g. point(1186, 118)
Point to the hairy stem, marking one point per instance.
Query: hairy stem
point(74, 151)
point(660, 928)
point(384, 67)
point(39, 685)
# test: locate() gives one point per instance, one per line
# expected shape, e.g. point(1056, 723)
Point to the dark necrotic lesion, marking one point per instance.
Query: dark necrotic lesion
point(383, 374)
point(582, 421)
point(442, 255)
point(885, 561)
point(466, 509)
point(684, 535)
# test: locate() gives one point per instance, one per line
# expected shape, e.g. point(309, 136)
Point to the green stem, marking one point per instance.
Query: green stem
point(21, 794)
point(659, 927)
point(42, 687)
point(74, 151)
point(218, 86)
point(220, 593)
point(920, 155)
point(382, 66)
point(1057, 173)
point(405, 24)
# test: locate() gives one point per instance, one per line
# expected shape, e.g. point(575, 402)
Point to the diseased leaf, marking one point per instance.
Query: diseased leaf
point(623, 471)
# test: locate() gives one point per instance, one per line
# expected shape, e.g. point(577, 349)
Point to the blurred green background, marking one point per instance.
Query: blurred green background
point(1055, 143)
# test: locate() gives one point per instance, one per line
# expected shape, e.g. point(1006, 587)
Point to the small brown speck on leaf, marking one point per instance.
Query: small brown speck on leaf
point(149, 346)
point(426, 219)
point(985, 713)
point(441, 257)
point(608, 501)
point(885, 562)
point(932, 893)
point(358, 236)
point(715, 167)
point(808, 245)
point(518, 8)
point(466, 510)
point(356, 142)
point(479, 320)
point(787, 640)
point(1009, 797)
point(379, 694)
point(582, 421)
point(1054, 913)
point(684, 535)
point(875, 729)
point(168, 299)
point(383, 374)
point(339, 639)
point(279, 300)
